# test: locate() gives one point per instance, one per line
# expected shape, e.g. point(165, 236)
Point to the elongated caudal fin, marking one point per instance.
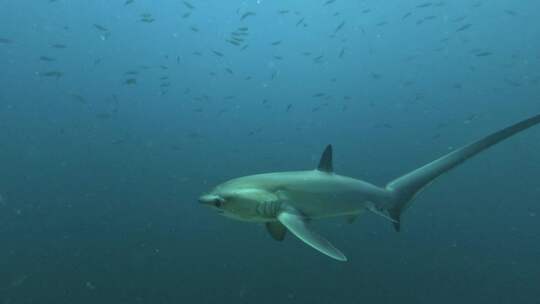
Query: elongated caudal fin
point(407, 186)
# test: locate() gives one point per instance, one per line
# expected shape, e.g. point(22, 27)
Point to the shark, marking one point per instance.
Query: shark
point(290, 201)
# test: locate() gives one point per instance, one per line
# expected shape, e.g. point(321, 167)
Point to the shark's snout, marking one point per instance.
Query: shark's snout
point(211, 200)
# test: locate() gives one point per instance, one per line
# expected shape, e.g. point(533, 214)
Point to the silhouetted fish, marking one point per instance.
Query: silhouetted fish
point(247, 14)
point(189, 5)
point(45, 58)
point(6, 41)
point(464, 27)
point(101, 28)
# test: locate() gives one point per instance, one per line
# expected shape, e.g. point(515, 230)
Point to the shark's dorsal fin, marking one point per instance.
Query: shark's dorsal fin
point(325, 164)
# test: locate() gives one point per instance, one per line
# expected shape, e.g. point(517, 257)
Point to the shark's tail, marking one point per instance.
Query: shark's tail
point(406, 187)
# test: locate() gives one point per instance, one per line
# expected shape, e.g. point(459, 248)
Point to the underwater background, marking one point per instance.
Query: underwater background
point(116, 115)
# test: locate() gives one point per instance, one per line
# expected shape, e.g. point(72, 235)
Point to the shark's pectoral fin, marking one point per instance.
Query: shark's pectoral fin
point(297, 224)
point(276, 230)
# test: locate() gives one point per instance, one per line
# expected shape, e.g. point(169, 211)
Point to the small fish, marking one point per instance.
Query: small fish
point(130, 81)
point(339, 27)
point(45, 58)
point(103, 115)
point(342, 52)
point(219, 54)
point(483, 54)
point(101, 28)
point(118, 141)
point(228, 70)
point(237, 39)
point(56, 74)
point(375, 75)
point(233, 42)
point(512, 82)
point(194, 29)
point(148, 20)
point(383, 125)
point(276, 43)
point(289, 106)
point(188, 5)
point(239, 34)
point(6, 41)
point(78, 98)
point(282, 12)
point(186, 15)
point(128, 2)
point(319, 95)
point(470, 118)
point(329, 2)
point(59, 46)
point(424, 5)
point(459, 19)
point(243, 29)
point(247, 14)
point(300, 22)
point(278, 57)
point(464, 27)
point(510, 12)
point(477, 4)
point(406, 15)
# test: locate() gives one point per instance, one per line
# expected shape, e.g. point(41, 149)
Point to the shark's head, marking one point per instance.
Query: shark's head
point(237, 203)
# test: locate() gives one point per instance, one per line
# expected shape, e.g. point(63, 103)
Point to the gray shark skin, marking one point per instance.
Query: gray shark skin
point(287, 201)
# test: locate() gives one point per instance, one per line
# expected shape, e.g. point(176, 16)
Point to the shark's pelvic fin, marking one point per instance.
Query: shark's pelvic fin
point(371, 208)
point(276, 230)
point(325, 164)
point(406, 187)
point(297, 224)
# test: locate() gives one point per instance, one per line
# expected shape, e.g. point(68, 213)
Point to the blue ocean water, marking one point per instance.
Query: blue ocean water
point(116, 115)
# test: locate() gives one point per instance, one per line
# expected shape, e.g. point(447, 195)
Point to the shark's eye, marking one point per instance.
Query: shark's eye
point(218, 202)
